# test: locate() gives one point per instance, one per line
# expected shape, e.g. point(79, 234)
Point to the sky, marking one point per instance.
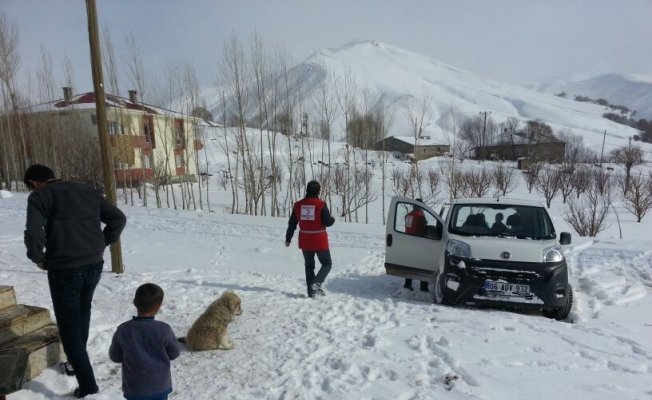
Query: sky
point(507, 40)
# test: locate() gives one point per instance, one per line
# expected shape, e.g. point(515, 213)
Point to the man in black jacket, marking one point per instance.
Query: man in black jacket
point(64, 236)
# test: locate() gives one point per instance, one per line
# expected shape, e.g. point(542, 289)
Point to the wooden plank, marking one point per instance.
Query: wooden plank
point(43, 348)
point(21, 319)
point(13, 365)
point(7, 297)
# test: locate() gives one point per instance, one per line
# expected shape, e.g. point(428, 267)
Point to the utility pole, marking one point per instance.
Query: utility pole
point(483, 141)
point(100, 104)
point(602, 153)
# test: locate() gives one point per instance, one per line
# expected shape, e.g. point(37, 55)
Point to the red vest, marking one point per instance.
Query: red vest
point(312, 232)
point(415, 223)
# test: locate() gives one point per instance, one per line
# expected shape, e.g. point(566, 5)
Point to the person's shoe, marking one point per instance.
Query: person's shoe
point(408, 287)
point(316, 287)
point(79, 393)
point(66, 368)
point(311, 292)
point(424, 287)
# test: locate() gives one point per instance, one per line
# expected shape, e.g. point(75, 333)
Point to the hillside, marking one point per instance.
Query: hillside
point(400, 74)
point(632, 91)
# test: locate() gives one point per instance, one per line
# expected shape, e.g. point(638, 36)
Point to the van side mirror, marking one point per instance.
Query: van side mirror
point(564, 238)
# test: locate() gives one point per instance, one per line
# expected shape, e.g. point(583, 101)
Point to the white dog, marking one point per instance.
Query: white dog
point(209, 331)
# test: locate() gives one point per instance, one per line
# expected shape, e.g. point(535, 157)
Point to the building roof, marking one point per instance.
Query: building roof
point(424, 141)
point(87, 101)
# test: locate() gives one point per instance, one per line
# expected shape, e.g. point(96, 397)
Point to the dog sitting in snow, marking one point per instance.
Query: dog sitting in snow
point(209, 331)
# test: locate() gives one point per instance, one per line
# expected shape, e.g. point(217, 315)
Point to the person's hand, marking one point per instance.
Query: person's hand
point(287, 244)
point(41, 265)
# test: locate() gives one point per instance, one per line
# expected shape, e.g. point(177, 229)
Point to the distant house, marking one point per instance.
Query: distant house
point(426, 147)
point(518, 145)
point(147, 142)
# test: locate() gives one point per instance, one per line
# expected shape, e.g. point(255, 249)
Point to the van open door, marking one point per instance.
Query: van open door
point(413, 241)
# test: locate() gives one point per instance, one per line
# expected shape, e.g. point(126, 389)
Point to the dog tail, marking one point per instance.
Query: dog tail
point(182, 340)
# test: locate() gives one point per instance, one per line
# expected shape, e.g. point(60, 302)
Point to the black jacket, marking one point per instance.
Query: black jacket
point(65, 219)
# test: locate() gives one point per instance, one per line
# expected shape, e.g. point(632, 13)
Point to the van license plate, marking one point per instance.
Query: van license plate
point(507, 289)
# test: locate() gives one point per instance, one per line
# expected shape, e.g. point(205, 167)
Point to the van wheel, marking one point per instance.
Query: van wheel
point(439, 289)
point(561, 312)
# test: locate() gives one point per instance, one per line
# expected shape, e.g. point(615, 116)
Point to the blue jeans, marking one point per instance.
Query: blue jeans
point(72, 293)
point(324, 257)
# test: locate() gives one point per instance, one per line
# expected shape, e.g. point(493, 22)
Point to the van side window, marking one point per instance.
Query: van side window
point(416, 221)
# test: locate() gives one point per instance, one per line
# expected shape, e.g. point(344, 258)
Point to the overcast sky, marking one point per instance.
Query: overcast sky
point(521, 41)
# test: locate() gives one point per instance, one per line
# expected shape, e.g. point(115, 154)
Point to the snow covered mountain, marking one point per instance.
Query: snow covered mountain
point(633, 91)
point(380, 68)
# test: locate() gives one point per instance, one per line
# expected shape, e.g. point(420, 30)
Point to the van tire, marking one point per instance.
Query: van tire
point(440, 290)
point(561, 313)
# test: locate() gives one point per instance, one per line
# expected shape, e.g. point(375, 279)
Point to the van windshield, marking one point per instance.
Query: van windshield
point(501, 220)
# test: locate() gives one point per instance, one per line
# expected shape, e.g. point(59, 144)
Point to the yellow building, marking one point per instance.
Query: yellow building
point(148, 142)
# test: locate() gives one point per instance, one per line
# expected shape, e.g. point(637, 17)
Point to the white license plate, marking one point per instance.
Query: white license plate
point(509, 289)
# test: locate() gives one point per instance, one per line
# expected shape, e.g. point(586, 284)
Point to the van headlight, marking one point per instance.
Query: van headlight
point(458, 248)
point(553, 254)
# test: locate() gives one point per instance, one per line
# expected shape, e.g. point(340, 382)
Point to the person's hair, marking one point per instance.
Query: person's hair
point(499, 217)
point(313, 188)
point(148, 297)
point(38, 173)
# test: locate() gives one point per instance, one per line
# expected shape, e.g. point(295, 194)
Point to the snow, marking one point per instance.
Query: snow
point(5, 194)
point(367, 338)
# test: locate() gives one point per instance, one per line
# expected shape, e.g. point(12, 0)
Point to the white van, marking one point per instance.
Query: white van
point(485, 251)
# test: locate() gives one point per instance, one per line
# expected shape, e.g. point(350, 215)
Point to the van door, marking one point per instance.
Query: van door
point(412, 251)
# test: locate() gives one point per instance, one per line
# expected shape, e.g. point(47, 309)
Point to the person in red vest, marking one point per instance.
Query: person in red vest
point(312, 216)
point(415, 224)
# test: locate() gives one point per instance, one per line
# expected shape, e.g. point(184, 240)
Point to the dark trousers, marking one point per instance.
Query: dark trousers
point(324, 257)
point(72, 293)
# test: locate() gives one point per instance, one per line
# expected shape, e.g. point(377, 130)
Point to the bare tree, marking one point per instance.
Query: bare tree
point(532, 175)
point(581, 180)
point(453, 179)
point(326, 103)
point(235, 77)
point(628, 156)
point(587, 214)
point(575, 151)
point(604, 183)
point(548, 183)
point(565, 184)
point(637, 198)
point(346, 98)
point(419, 114)
point(478, 182)
point(385, 115)
point(504, 179)
point(434, 186)
point(479, 131)
point(14, 146)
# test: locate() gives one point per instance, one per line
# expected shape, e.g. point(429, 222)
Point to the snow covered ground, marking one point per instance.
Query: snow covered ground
point(366, 339)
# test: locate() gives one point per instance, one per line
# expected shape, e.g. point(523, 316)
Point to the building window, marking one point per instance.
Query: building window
point(180, 162)
point(147, 161)
point(116, 128)
point(148, 130)
point(178, 132)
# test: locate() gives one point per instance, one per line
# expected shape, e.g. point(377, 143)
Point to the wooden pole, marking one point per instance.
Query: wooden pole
point(102, 126)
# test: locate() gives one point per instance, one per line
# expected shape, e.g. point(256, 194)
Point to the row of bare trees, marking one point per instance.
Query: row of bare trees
point(476, 182)
point(273, 146)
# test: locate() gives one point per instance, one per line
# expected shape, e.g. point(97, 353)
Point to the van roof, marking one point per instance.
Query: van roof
point(499, 200)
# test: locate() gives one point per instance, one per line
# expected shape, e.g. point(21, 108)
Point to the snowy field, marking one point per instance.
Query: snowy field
point(367, 339)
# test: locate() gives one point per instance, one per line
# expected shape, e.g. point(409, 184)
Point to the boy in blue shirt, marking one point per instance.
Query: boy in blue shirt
point(145, 348)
